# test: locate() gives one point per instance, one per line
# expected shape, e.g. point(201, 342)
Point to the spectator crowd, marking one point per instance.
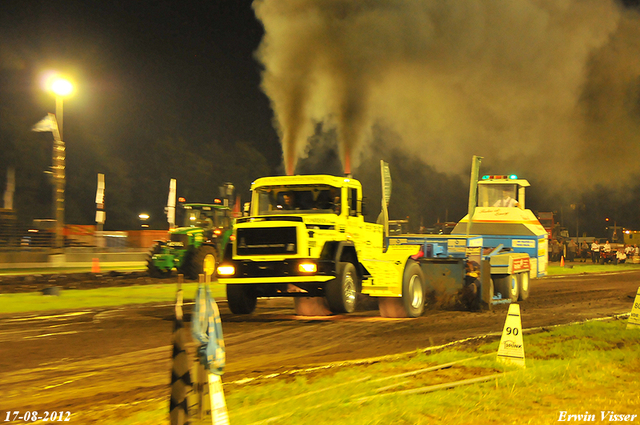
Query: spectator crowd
point(599, 253)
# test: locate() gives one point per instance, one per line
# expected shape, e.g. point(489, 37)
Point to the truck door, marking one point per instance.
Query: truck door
point(355, 220)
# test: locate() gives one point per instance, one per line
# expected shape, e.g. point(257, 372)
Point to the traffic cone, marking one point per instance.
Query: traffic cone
point(562, 261)
point(95, 265)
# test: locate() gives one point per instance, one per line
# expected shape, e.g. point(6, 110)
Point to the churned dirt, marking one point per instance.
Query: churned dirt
point(113, 362)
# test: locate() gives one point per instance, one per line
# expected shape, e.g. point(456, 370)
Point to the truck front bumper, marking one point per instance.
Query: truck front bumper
point(274, 272)
point(274, 280)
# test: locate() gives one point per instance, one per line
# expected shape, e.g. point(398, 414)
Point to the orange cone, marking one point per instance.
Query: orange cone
point(95, 265)
point(562, 261)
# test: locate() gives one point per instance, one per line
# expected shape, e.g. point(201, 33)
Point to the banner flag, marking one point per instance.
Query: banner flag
point(48, 123)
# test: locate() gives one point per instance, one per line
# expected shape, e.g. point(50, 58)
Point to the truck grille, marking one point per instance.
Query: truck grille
point(267, 241)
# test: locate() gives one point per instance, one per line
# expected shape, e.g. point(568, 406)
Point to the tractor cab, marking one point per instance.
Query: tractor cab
point(501, 218)
point(501, 191)
point(213, 219)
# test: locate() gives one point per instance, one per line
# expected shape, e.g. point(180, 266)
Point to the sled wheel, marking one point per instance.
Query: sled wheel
point(508, 287)
point(523, 283)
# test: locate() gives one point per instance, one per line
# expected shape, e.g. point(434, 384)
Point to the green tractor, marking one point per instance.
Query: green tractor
point(195, 247)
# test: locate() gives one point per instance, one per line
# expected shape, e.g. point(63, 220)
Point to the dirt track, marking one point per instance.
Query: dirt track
point(110, 362)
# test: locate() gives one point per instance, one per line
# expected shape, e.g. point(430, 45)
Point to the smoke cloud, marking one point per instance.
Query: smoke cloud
point(545, 88)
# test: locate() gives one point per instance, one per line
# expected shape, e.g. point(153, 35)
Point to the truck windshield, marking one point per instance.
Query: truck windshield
point(497, 195)
point(296, 199)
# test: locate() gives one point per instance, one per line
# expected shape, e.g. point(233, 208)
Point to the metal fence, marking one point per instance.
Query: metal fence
point(29, 238)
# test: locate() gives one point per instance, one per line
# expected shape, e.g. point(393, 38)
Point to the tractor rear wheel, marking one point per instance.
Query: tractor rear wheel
point(341, 293)
point(153, 270)
point(242, 299)
point(199, 261)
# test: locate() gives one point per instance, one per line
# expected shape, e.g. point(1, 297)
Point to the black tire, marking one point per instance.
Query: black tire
point(523, 284)
point(413, 290)
point(492, 290)
point(341, 293)
point(151, 268)
point(507, 285)
point(242, 299)
point(195, 261)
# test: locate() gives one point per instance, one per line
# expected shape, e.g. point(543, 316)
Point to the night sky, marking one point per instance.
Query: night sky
point(163, 65)
point(546, 90)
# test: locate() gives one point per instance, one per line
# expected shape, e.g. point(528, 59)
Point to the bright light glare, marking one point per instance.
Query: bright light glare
point(307, 267)
point(144, 216)
point(62, 87)
point(226, 270)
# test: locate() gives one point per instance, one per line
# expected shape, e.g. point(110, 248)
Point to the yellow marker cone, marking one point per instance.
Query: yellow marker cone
point(634, 318)
point(219, 414)
point(95, 265)
point(511, 349)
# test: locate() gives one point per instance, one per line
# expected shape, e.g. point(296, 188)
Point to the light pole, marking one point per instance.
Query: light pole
point(61, 88)
point(143, 220)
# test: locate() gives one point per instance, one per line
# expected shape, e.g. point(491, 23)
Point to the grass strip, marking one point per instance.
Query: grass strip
point(431, 388)
point(590, 268)
point(578, 368)
point(70, 299)
point(105, 266)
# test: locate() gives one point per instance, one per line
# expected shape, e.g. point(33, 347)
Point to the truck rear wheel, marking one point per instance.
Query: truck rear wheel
point(198, 261)
point(341, 292)
point(153, 270)
point(508, 286)
point(413, 291)
point(523, 283)
point(242, 299)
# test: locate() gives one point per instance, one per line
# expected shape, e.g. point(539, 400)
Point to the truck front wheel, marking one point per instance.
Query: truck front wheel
point(413, 291)
point(341, 292)
point(242, 299)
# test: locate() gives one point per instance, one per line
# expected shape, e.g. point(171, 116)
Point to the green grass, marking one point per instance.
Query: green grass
point(590, 268)
point(588, 367)
point(102, 297)
point(591, 367)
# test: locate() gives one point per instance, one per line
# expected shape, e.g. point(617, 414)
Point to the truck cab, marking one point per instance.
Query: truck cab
point(306, 236)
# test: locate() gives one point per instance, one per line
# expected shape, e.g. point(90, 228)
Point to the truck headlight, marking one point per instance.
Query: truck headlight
point(307, 267)
point(226, 270)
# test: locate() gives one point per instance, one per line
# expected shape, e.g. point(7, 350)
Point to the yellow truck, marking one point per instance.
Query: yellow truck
point(306, 236)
